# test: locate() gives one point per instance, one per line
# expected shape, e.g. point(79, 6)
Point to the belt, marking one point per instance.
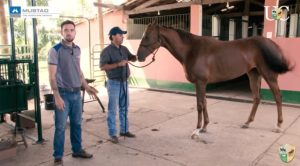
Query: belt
point(77, 89)
point(118, 79)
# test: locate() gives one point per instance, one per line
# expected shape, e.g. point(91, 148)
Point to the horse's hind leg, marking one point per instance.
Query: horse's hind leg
point(201, 106)
point(271, 80)
point(255, 83)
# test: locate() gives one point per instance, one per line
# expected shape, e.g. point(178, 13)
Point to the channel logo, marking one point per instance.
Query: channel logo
point(287, 153)
point(277, 13)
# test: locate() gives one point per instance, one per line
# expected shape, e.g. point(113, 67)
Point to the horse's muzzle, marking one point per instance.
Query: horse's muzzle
point(140, 59)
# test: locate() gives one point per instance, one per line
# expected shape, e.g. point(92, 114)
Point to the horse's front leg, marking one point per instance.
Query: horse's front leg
point(197, 131)
point(205, 115)
point(201, 106)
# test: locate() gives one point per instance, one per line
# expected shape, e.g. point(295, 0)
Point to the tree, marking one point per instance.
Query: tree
point(3, 25)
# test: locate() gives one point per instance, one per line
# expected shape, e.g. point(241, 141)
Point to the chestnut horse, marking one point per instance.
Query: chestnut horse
point(207, 60)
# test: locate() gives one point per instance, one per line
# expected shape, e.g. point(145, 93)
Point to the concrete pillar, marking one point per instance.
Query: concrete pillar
point(270, 25)
point(281, 25)
point(293, 25)
point(216, 25)
point(245, 24)
point(232, 28)
point(196, 19)
point(254, 29)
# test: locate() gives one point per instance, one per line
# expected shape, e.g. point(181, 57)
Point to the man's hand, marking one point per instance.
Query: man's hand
point(91, 90)
point(59, 102)
point(132, 58)
point(122, 63)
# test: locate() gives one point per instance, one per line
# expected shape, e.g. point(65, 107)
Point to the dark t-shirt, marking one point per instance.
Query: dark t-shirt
point(112, 54)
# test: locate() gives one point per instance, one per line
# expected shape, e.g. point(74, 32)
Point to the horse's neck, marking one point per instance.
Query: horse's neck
point(174, 44)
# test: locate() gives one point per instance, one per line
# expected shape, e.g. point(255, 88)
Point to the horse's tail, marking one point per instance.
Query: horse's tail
point(273, 56)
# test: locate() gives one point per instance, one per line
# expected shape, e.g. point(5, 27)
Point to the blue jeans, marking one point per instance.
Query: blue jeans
point(117, 99)
point(73, 109)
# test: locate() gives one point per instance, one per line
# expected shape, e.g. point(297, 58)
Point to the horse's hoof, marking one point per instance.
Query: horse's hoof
point(195, 134)
point(203, 138)
point(203, 131)
point(277, 130)
point(245, 126)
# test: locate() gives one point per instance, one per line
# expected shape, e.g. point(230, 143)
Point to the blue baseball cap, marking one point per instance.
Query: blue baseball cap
point(116, 30)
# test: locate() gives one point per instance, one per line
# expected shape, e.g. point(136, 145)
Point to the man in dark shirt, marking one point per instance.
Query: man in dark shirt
point(114, 60)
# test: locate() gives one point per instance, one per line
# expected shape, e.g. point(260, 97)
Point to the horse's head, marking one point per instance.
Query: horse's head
point(150, 42)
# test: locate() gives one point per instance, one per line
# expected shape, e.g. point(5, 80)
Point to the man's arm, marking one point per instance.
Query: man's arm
point(105, 61)
point(53, 83)
point(113, 66)
point(131, 57)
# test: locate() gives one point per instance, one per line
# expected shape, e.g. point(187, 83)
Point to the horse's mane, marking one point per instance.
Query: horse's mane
point(184, 35)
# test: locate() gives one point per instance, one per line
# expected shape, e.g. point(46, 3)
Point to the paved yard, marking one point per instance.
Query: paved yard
point(163, 123)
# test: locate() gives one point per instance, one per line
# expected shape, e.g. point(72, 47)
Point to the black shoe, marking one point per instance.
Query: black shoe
point(58, 161)
point(82, 154)
point(128, 134)
point(114, 139)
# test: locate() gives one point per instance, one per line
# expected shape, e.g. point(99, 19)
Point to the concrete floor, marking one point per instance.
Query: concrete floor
point(163, 123)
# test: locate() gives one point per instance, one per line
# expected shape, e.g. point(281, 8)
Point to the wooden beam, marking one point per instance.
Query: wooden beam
point(207, 2)
point(256, 13)
point(282, 2)
point(162, 7)
point(146, 4)
point(100, 21)
point(110, 6)
point(211, 10)
point(246, 7)
point(257, 3)
point(130, 2)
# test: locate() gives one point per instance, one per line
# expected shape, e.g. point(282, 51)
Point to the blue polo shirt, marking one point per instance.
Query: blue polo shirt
point(67, 60)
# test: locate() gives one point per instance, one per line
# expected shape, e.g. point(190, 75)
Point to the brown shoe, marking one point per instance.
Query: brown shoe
point(114, 139)
point(128, 134)
point(82, 154)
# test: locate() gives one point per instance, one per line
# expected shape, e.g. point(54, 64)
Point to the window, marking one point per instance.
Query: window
point(136, 25)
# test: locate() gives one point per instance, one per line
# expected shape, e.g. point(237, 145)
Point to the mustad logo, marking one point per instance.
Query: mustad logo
point(39, 12)
point(36, 10)
point(278, 13)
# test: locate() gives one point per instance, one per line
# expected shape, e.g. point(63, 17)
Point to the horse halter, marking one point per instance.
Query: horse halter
point(158, 41)
point(151, 52)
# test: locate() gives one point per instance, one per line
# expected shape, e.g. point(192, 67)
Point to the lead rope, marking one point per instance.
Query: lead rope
point(153, 59)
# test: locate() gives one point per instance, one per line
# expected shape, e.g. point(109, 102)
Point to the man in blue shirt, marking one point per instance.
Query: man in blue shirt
point(114, 60)
point(66, 79)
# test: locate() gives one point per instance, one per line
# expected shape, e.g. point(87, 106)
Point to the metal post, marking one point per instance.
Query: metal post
point(12, 77)
point(25, 29)
point(12, 33)
point(36, 83)
point(90, 52)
